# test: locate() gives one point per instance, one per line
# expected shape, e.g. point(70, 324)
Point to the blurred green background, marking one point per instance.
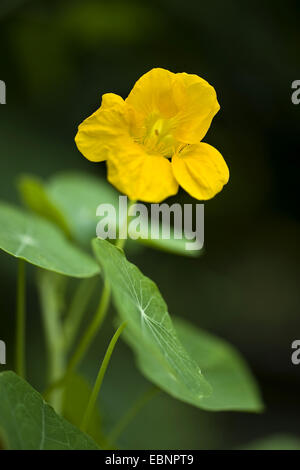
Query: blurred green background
point(57, 59)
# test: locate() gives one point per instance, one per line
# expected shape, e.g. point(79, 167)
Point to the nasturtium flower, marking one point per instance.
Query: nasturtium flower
point(152, 139)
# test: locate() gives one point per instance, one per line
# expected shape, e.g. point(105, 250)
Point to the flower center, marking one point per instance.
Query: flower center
point(158, 136)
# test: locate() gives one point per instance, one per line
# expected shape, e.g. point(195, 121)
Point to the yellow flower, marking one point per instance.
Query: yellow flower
point(152, 140)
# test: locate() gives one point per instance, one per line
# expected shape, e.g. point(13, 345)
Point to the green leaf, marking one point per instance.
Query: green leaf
point(233, 385)
point(77, 197)
point(171, 245)
point(71, 200)
point(27, 422)
point(160, 355)
point(34, 196)
point(41, 243)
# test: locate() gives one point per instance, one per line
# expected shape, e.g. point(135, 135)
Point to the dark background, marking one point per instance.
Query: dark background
point(57, 59)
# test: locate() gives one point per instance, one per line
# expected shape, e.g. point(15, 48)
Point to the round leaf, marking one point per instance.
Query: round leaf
point(41, 243)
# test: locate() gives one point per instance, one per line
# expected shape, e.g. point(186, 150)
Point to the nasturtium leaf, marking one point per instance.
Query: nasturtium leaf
point(234, 387)
point(41, 243)
point(77, 197)
point(34, 196)
point(71, 200)
point(27, 422)
point(170, 245)
point(149, 331)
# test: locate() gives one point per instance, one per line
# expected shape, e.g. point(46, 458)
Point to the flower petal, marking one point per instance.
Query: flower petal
point(140, 175)
point(201, 170)
point(198, 106)
point(109, 100)
point(101, 129)
point(153, 93)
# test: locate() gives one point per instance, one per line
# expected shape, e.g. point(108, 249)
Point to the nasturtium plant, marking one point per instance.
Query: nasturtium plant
point(152, 144)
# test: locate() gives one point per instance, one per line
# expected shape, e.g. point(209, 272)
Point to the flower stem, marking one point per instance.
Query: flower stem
point(21, 320)
point(85, 341)
point(99, 380)
point(49, 286)
point(92, 329)
point(76, 310)
point(120, 242)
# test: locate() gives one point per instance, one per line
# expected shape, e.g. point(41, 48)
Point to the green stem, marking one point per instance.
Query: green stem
point(21, 320)
point(99, 380)
point(131, 413)
point(120, 243)
point(50, 285)
point(77, 309)
point(86, 340)
point(92, 329)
